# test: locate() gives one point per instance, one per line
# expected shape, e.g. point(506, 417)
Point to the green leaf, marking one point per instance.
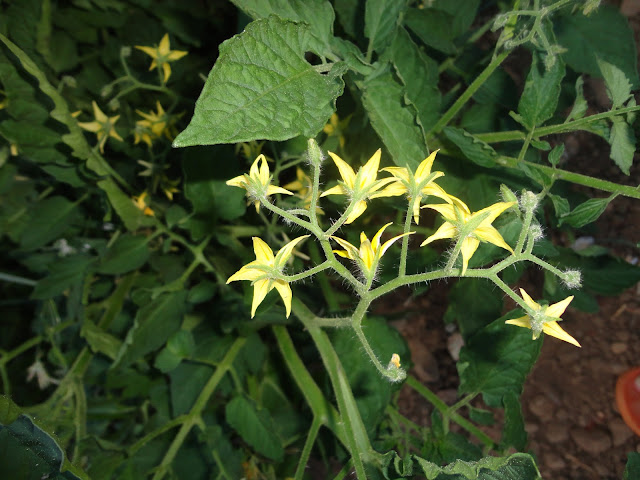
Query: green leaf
point(586, 212)
point(27, 452)
point(419, 75)
point(153, 325)
point(473, 304)
point(381, 19)
point(180, 346)
point(433, 27)
point(623, 144)
point(130, 214)
point(261, 87)
point(50, 219)
point(605, 34)
point(63, 273)
point(318, 14)
point(394, 121)
point(556, 154)
point(580, 105)
point(99, 340)
point(187, 381)
point(541, 92)
point(632, 470)
point(497, 360)
point(255, 427)
point(617, 83)
point(560, 205)
point(519, 466)
point(473, 148)
point(127, 253)
point(514, 433)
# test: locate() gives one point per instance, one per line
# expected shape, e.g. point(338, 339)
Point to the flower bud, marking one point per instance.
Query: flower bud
point(314, 154)
point(125, 52)
point(572, 279)
point(528, 201)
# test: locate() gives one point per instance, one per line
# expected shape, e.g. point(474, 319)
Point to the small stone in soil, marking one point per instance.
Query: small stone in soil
point(593, 441)
point(618, 347)
point(556, 432)
point(554, 461)
point(542, 407)
point(620, 432)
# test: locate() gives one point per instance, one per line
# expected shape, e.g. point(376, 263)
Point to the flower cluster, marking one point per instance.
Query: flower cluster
point(467, 229)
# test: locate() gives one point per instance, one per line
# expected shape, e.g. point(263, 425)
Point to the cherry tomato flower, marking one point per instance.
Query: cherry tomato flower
point(102, 126)
point(162, 55)
point(545, 319)
point(265, 271)
point(472, 227)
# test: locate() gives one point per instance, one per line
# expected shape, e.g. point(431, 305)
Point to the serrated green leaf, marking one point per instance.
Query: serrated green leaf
point(433, 27)
point(556, 154)
point(496, 361)
point(513, 434)
point(419, 75)
point(586, 212)
point(62, 274)
point(99, 340)
point(127, 253)
point(381, 19)
point(473, 148)
point(261, 87)
point(255, 427)
point(623, 144)
point(50, 219)
point(541, 92)
point(318, 14)
point(617, 83)
point(519, 466)
point(153, 325)
point(473, 304)
point(605, 34)
point(394, 121)
point(560, 205)
point(632, 469)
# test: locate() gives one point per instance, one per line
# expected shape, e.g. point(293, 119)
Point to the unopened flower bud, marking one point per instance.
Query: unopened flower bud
point(572, 279)
point(528, 201)
point(125, 51)
point(507, 194)
point(314, 154)
point(535, 232)
point(394, 372)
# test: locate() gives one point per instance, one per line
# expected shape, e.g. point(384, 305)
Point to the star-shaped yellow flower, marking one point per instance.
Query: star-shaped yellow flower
point(336, 128)
point(102, 126)
point(265, 270)
point(472, 227)
point(258, 182)
point(162, 55)
point(415, 185)
point(358, 186)
point(545, 319)
point(368, 255)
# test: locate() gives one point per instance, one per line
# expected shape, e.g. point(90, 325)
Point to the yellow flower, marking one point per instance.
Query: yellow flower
point(472, 227)
point(545, 319)
point(154, 125)
point(336, 128)
point(415, 185)
point(358, 186)
point(169, 187)
point(141, 202)
point(264, 272)
point(258, 182)
point(102, 126)
point(368, 255)
point(302, 184)
point(162, 55)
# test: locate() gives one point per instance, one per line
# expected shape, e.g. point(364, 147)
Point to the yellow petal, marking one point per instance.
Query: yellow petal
point(260, 290)
point(98, 114)
point(285, 292)
point(469, 247)
point(358, 210)
point(90, 126)
point(337, 190)
point(367, 254)
point(528, 300)
point(375, 243)
point(520, 322)
point(557, 309)
point(351, 251)
point(555, 330)
point(446, 230)
point(263, 252)
point(166, 68)
point(175, 55)
point(370, 169)
point(346, 172)
point(164, 46)
point(444, 209)
point(152, 52)
point(491, 235)
point(246, 273)
point(239, 181)
point(263, 173)
point(424, 169)
point(254, 171)
point(272, 189)
point(398, 172)
point(285, 252)
point(493, 212)
point(388, 243)
point(392, 190)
